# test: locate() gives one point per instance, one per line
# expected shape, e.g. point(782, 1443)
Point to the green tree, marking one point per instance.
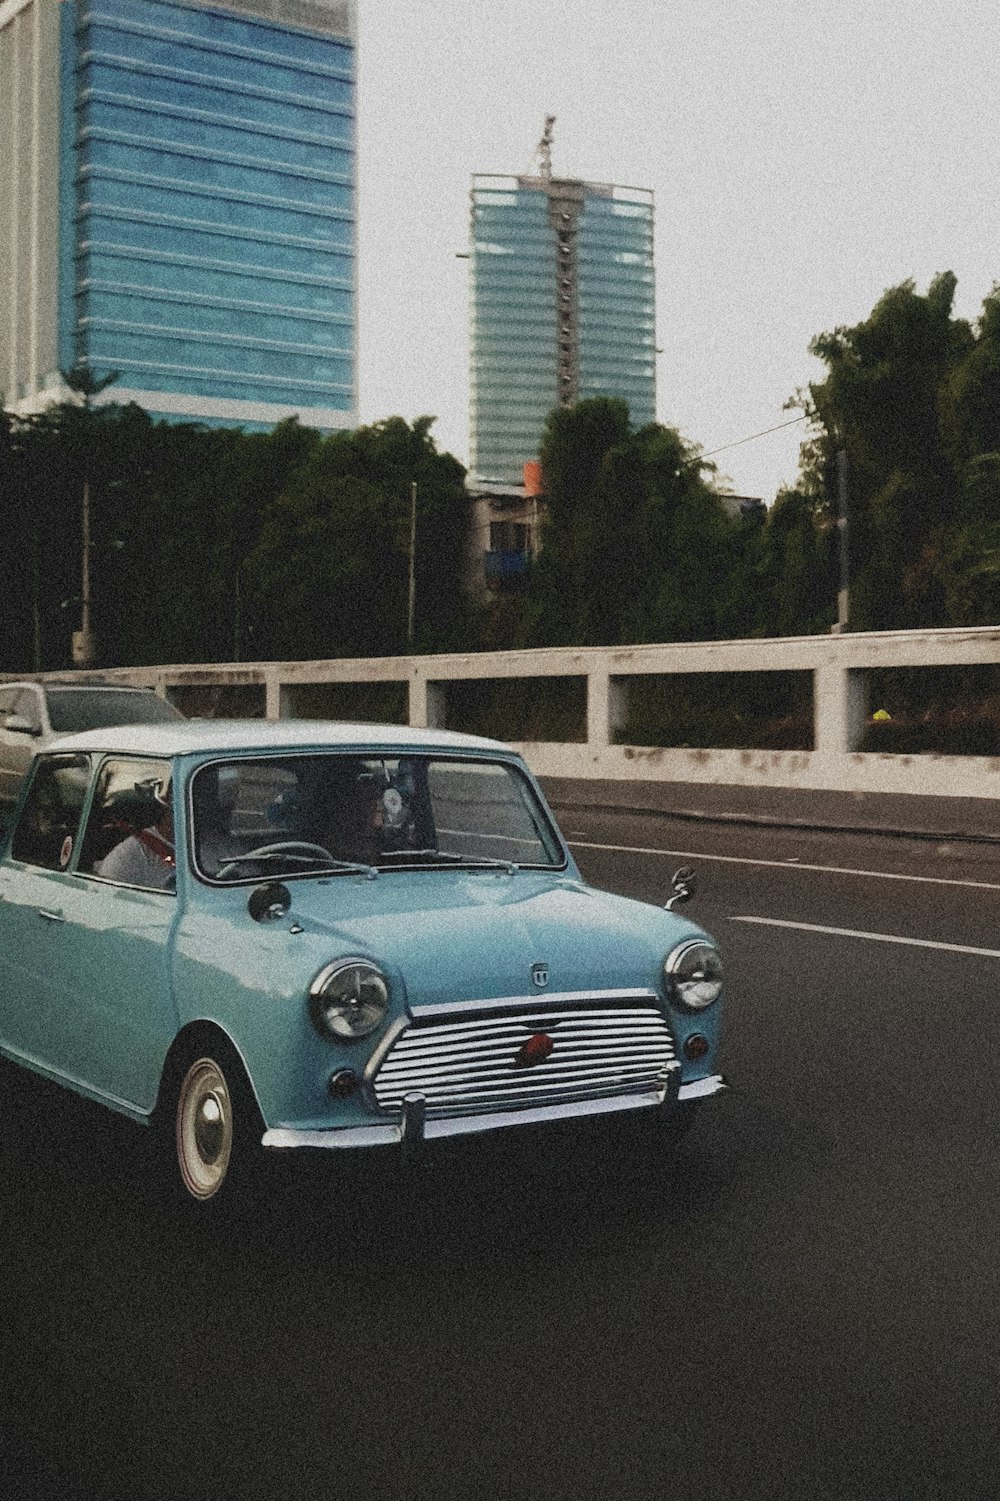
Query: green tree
point(331, 569)
point(884, 401)
point(787, 577)
point(210, 544)
point(635, 545)
point(971, 397)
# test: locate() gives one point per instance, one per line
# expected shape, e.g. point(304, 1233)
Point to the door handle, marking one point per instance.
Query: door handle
point(50, 916)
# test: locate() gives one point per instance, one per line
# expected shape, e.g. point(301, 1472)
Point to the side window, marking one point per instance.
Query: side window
point(47, 829)
point(129, 837)
point(26, 704)
point(7, 697)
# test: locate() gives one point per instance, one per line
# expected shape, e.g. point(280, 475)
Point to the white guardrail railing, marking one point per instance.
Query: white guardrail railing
point(839, 665)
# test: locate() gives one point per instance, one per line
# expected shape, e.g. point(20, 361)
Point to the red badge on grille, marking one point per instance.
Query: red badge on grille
point(537, 1048)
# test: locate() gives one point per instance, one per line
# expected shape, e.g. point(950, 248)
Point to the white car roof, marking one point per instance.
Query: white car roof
point(242, 736)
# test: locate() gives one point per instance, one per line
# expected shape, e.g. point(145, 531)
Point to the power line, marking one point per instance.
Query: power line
point(754, 436)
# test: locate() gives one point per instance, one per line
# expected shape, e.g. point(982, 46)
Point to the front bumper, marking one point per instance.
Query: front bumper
point(414, 1125)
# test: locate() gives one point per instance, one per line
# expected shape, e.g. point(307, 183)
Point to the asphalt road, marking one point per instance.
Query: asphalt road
point(803, 1304)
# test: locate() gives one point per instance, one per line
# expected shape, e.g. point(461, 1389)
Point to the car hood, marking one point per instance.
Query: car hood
point(458, 936)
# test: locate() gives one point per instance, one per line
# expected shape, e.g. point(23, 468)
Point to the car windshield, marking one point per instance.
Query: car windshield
point(73, 709)
point(300, 815)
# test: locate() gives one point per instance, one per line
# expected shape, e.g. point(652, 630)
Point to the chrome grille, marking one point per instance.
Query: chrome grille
point(468, 1066)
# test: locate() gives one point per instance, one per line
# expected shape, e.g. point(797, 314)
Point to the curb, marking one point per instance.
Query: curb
point(763, 820)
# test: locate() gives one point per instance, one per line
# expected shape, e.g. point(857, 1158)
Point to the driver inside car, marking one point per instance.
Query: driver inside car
point(349, 814)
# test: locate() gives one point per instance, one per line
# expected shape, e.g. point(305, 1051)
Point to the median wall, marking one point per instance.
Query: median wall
point(568, 709)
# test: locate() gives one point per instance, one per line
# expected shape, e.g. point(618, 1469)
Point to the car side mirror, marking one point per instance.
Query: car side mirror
point(684, 884)
point(269, 903)
point(21, 726)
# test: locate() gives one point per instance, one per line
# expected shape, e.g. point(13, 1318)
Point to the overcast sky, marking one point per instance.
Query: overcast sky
point(804, 158)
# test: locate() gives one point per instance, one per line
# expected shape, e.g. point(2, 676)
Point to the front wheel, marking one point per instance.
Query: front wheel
point(215, 1140)
point(204, 1129)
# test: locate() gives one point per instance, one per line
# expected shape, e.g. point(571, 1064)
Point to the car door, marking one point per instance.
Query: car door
point(84, 963)
point(122, 1020)
point(36, 941)
point(7, 696)
point(17, 746)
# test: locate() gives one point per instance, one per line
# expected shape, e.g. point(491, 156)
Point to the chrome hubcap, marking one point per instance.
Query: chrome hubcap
point(209, 1128)
point(204, 1128)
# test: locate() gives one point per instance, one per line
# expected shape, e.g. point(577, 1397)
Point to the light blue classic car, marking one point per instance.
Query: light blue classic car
point(312, 935)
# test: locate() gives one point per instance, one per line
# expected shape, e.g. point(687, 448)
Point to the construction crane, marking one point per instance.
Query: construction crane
point(543, 151)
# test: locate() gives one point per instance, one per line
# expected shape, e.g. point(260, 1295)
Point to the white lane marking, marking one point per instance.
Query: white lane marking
point(833, 870)
point(917, 943)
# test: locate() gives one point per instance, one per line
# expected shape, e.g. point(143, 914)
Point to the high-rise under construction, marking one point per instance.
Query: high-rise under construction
point(562, 307)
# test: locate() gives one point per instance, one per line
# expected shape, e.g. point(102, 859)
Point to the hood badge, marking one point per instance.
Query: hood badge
point(537, 1048)
point(540, 975)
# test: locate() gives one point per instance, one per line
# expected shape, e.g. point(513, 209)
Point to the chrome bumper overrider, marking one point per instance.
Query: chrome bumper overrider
point(415, 1126)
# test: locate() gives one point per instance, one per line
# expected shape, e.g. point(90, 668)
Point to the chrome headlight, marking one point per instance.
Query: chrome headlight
point(349, 999)
point(693, 973)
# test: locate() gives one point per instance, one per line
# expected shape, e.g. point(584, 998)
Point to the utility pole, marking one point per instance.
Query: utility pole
point(84, 384)
point(843, 547)
point(413, 572)
point(84, 645)
point(36, 614)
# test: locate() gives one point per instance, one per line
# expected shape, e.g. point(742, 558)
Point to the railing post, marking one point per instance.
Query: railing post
point(840, 708)
point(607, 709)
point(427, 703)
point(275, 705)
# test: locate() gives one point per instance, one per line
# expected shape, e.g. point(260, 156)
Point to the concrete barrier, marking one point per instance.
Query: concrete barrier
point(839, 666)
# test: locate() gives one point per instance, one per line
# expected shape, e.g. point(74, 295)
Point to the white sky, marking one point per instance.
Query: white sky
point(804, 158)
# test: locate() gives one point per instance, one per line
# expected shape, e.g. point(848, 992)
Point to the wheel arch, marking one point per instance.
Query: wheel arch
point(196, 1037)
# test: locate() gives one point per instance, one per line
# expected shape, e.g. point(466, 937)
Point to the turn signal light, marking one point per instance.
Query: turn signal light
point(695, 1047)
point(343, 1083)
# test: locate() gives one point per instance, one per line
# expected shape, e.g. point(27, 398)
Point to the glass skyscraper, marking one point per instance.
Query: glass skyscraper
point(562, 308)
point(177, 204)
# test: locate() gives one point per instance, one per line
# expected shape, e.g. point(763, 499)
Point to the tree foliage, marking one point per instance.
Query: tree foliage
point(636, 546)
point(912, 395)
point(216, 544)
point(639, 546)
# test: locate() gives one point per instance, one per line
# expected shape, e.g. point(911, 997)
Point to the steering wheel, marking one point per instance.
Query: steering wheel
point(284, 847)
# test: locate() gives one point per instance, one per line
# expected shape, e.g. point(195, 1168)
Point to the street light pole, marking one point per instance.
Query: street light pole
point(36, 589)
point(843, 543)
point(84, 645)
point(85, 562)
point(411, 610)
point(86, 385)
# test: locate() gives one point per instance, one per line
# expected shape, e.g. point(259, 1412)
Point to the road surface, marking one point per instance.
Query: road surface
point(803, 1304)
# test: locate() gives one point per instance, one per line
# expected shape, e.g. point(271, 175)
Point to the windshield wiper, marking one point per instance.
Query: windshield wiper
point(510, 866)
point(451, 857)
point(371, 871)
point(427, 853)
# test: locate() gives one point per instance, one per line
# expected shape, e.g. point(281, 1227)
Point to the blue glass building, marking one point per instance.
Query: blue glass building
point(177, 204)
point(562, 308)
